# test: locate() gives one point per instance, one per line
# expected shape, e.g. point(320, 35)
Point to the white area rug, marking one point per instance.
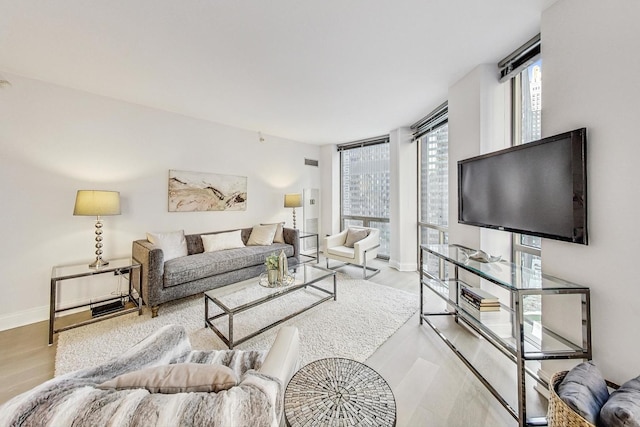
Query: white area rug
point(354, 326)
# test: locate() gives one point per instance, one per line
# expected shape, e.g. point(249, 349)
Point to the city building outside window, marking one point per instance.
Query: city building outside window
point(432, 135)
point(365, 188)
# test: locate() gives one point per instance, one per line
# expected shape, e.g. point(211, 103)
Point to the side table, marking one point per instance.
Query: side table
point(305, 235)
point(338, 392)
point(118, 267)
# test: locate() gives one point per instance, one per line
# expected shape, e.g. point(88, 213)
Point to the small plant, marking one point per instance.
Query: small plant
point(272, 262)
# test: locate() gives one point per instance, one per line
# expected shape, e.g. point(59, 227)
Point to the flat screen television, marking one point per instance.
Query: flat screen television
point(539, 188)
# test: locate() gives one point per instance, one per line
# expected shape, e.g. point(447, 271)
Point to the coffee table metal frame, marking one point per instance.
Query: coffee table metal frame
point(213, 297)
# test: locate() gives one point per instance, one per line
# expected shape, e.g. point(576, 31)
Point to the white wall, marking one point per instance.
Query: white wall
point(590, 78)
point(478, 123)
point(54, 141)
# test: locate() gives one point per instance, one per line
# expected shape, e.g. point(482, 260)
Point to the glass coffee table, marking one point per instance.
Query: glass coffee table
point(231, 300)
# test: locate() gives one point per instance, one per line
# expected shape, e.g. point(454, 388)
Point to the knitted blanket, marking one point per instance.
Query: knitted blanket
point(74, 400)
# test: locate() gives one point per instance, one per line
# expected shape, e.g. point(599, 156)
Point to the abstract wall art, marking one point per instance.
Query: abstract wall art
point(200, 191)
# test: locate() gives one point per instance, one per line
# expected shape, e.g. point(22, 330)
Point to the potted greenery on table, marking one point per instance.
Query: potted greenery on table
point(272, 263)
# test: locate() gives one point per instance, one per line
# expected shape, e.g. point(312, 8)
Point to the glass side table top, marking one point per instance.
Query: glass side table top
point(80, 270)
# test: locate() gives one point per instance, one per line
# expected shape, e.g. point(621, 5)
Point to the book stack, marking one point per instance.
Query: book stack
point(478, 300)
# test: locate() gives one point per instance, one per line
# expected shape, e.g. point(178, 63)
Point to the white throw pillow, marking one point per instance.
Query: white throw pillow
point(262, 235)
point(279, 236)
point(173, 243)
point(221, 241)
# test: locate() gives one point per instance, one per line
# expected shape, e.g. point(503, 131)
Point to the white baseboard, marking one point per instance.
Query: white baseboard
point(407, 266)
point(24, 317)
point(38, 314)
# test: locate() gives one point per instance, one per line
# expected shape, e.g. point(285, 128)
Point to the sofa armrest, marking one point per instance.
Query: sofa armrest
point(292, 237)
point(283, 358)
point(152, 261)
point(335, 239)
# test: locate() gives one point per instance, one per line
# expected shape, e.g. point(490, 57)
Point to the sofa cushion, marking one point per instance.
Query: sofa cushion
point(355, 235)
point(176, 378)
point(173, 243)
point(279, 236)
point(222, 241)
point(199, 266)
point(584, 390)
point(623, 406)
point(262, 235)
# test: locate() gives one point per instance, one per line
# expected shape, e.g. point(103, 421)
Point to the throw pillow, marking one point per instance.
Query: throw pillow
point(279, 236)
point(623, 406)
point(355, 235)
point(221, 241)
point(584, 390)
point(176, 378)
point(173, 243)
point(262, 235)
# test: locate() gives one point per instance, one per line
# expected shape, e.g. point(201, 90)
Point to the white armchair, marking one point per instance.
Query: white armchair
point(341, 247)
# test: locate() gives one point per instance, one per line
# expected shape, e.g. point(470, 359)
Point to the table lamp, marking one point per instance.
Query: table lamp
point(293, 201)
point(97, 203)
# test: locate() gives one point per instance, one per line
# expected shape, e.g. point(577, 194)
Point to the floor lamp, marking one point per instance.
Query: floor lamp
point(293, 201)
point(97, 203)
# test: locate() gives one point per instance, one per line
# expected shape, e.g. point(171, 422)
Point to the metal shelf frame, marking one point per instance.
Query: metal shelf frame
point(514, 349)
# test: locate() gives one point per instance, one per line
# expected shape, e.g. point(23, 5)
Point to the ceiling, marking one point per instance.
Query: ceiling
point(320, 72)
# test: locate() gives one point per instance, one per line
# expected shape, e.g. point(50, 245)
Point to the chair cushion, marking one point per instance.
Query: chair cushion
point(262, 235)
point(623, 406)
point(173, 243)
point(222, 241)
point(342, 251)
point(355, 235)
point(176, 378)
point(584, 390)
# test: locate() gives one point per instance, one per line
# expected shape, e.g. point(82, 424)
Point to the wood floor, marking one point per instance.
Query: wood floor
point(432, 387)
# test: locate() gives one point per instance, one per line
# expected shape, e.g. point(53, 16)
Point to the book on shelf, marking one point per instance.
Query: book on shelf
point(490, 306)
point(478, 294)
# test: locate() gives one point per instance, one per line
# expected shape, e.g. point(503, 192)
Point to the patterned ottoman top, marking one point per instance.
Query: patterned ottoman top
point(339, 392)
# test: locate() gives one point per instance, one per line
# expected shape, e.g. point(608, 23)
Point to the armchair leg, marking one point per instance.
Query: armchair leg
point(365, 267)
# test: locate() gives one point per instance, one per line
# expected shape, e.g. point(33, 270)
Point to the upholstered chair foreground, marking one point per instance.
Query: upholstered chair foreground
point(355, 246)
point(161, 381)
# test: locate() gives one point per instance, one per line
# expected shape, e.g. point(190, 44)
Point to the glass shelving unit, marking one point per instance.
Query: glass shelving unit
point(520, 335)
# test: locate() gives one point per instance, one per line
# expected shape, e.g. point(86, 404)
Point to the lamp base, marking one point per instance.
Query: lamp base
point(99, 262)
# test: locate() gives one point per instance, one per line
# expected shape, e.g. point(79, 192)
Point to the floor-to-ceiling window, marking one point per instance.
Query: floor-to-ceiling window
point(432, 135)
point(527, 120)
point(524, 70)
point(365, 186)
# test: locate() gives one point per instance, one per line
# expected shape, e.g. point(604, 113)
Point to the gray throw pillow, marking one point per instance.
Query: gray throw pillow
point(176, 378)
point(623, 406)
point(355, 235)
point(584, 390)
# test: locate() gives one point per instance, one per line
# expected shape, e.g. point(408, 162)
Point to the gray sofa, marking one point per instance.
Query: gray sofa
point(202, 271)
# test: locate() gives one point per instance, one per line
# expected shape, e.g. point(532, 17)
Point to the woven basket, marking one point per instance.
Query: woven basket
point(560, 414)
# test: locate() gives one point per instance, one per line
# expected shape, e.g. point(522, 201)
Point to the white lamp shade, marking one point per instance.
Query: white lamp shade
point(97, 203)
point(293, 200)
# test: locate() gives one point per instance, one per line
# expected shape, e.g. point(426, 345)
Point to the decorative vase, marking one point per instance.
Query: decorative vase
point(272, 276)
point(283, 267)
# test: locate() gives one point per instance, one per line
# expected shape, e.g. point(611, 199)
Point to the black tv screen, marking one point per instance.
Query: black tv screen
point(539, 188)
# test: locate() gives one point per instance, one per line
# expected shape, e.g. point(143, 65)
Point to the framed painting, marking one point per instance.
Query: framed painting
point(200, 191)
